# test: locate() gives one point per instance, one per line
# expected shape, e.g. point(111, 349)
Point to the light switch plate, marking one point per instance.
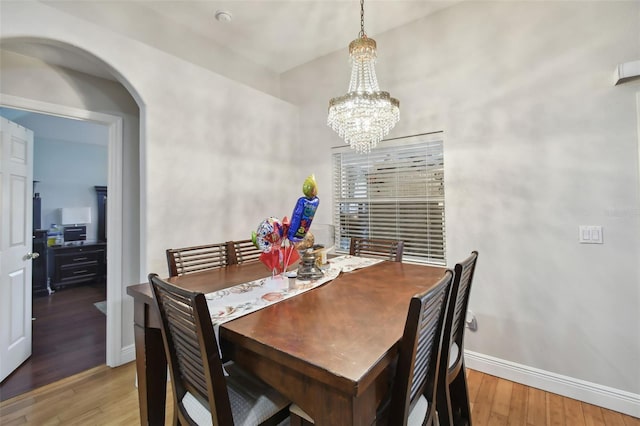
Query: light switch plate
point(590, 234)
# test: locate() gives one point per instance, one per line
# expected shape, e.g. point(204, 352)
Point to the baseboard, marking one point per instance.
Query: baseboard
point(592, 393)
point(127, 354)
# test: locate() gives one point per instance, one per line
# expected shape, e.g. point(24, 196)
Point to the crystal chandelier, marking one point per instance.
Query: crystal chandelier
point(365, 114)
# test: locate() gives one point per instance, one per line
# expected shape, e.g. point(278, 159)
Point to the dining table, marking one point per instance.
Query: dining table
point(331, 350)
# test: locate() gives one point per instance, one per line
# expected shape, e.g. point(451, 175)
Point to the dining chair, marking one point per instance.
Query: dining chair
point(202, 394)
point(380, 248)
point(413, 390)
point(453, 396)
point(188, 260)
point(242, 251)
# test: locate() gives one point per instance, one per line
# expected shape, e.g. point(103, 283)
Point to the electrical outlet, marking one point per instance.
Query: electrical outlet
point(471, 322)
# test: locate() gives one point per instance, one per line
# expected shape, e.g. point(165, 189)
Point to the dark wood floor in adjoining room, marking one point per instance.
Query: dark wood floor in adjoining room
point(69, 336)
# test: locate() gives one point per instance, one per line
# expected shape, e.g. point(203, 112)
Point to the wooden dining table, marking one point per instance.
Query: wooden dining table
point(331, 350)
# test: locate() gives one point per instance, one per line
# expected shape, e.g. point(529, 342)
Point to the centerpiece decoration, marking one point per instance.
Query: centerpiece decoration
point(280, 240)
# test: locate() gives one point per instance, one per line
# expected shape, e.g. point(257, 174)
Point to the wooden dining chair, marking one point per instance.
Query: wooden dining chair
point(453, 396)
point(242, 251)
point(379, 248)
point(413, 391)
point(202, 394)
point(188, 260)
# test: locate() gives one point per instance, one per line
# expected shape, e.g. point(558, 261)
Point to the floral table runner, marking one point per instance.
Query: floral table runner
point(233, 302)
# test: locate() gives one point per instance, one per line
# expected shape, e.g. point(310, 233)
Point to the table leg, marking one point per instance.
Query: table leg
point(151, 367)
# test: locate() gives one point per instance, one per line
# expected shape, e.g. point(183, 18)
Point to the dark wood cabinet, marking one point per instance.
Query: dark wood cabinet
point(72, 265)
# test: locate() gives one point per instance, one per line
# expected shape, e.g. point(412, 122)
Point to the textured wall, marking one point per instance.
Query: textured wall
point(31, 79)
point(537, 142)
point(216, 156)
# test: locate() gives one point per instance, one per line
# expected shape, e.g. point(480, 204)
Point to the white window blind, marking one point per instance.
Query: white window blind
point(395, 192)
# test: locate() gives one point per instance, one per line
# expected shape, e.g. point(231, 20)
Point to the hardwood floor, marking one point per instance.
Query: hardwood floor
point(106, 396)
point(66, 382)
point(69, 336)
point(496, 401)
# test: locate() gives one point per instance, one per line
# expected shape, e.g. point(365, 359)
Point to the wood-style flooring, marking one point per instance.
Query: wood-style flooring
point(58, 385)
point(106, 396)
point(69, 336)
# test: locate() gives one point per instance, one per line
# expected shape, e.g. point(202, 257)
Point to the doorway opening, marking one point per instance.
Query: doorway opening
point(69, 276)
point(97, 87)
point(112, 343)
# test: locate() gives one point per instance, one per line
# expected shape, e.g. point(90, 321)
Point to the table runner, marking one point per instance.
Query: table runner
point(242, 299)
point(233, 302)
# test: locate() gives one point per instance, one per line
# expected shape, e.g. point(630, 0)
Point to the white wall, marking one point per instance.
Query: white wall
point(67, 173)
point(31, 79)
point(216, 155)
point(537, 141)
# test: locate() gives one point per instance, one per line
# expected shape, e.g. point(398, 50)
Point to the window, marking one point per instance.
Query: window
point(394, 192)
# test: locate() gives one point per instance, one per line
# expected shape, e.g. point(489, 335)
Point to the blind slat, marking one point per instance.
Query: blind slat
point(395, 192)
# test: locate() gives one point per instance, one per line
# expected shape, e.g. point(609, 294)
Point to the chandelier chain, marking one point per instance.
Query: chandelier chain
point(362, 18)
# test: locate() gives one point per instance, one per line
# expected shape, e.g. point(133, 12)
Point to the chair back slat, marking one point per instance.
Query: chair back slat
point(419, 353)
point(188, 260)
point(427, 339)
point(192, 350)
point(462, 287)
point(377, 248)
point(453, 397)
point(242, 251)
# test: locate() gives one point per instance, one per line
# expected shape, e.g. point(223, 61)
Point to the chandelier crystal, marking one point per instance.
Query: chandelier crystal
point(365, 114)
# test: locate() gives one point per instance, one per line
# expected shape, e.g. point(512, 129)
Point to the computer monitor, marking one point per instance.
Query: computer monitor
point(75, 233)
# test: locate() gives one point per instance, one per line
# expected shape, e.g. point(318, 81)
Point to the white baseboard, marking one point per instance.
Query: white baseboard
point(127, 354)
point(592, 393)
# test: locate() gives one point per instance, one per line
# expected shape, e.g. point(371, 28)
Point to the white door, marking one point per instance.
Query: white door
point(16, 191)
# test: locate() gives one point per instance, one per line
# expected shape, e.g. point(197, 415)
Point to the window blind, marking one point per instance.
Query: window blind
point(394, 192)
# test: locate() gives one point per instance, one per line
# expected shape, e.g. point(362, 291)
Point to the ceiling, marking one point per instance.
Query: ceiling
point(51, 127)
point(276, 34)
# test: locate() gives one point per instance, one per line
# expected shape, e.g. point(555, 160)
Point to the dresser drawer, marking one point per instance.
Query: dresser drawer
point(79, 257)
point(74, 265)
point(77, 272)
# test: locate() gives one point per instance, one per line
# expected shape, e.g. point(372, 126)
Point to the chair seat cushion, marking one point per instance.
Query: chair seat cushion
point(454, 352)
point(419, 412)
point(198, 412)
point(252, 401)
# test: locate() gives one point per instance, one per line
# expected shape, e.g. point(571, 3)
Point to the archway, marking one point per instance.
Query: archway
point(55, 54)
